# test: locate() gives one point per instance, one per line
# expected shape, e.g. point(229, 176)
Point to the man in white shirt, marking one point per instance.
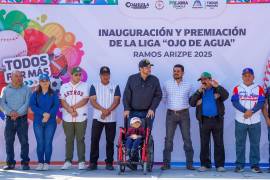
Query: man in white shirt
point(74, 98)
point(176, 95)
point(248, 99)
point(104, 97)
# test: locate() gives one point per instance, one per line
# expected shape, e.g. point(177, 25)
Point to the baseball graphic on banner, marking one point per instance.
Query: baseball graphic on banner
point(12, 45)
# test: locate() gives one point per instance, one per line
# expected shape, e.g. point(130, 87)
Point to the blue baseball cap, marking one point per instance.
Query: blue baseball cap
point(248, 70)
point(44, 77)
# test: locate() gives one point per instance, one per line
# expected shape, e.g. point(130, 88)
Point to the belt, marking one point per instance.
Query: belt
point(178, 111)
point(209, 117)
point(20, 117)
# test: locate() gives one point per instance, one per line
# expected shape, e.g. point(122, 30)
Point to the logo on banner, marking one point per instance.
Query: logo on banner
point(159, 4)
point(211, 4)
point(178, 4)
point(197, 4)
point(30, 66)
point(137, 5)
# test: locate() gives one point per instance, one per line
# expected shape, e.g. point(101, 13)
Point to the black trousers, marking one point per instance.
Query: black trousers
point(110, 130)
point(212, 126)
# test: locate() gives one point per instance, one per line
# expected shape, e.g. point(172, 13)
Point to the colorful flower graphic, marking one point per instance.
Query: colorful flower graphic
point(21, 36)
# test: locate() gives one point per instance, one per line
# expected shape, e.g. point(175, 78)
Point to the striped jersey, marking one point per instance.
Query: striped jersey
point(105, 96)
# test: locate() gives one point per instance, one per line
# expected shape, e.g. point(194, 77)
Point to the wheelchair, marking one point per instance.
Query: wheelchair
point(145, 154)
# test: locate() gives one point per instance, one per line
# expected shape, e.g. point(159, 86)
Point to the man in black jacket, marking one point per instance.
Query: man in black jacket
point(208, 100)
point(142, 94)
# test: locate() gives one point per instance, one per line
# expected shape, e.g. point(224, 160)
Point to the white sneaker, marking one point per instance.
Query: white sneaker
point(45, 167)
point(66, 166)
point(203, 169)
point(221, 169)
point(39, 167)
point(82, 166)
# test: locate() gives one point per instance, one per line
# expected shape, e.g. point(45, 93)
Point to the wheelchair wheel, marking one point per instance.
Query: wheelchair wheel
point(145, 168)
point(150, 154)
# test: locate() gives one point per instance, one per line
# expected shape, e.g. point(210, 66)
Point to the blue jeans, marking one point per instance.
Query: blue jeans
point(254, 133)
point(44, 135)
point(19, 126)
point(133, 144)
point(142, 115)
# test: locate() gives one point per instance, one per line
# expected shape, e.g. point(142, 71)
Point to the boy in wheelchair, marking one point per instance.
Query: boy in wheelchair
point(134, 137)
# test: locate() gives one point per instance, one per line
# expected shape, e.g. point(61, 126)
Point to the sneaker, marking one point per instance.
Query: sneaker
point(109, 166)
point(256, 169)
point(165, 166)
point(45, 167)
point(221, 169)
point(92, 166)
point(190, 167)
point(203, 169)
point(25, 167)
point(82, 166)
point(239, 169)
point(39, 167)
point(9, 167)
point(67, 165)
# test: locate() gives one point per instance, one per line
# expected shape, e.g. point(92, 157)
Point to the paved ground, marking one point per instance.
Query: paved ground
point(179, 173)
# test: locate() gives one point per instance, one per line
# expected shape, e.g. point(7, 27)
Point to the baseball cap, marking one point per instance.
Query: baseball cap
point(145, 63)
point(134, 120)
point(247, 70)
point(76, 70)
point(205, 75)
point(44, 77)
point(104, 70)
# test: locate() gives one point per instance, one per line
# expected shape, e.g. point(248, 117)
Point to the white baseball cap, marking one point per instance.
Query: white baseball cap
point(134, 120)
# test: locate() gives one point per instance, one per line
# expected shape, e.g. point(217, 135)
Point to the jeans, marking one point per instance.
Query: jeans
point(182, 120)
point(254, 133)
point(44, 136)
point(133, 144)
point(110, 131)
point(19, 126)
point(141, 115)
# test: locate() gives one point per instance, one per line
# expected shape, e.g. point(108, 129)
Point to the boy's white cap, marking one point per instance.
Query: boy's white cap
point(135, 119)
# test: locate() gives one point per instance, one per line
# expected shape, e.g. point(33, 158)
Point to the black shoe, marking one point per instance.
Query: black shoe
point(25, 167)
point(92, 166)
point(190, 167)
point(9, 167)
point(165, 166)
point(239, 169)
point(109, 166)
point(256, 169)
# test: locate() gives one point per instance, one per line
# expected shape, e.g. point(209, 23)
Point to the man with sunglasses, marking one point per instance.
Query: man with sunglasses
point(175, 94)
point(74, 99)
point(209, 102)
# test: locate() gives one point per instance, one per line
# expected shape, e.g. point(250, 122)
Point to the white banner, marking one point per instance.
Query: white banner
point(203, 36)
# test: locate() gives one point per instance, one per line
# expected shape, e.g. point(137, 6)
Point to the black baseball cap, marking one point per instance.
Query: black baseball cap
point(145, 63)
point(104, 70)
